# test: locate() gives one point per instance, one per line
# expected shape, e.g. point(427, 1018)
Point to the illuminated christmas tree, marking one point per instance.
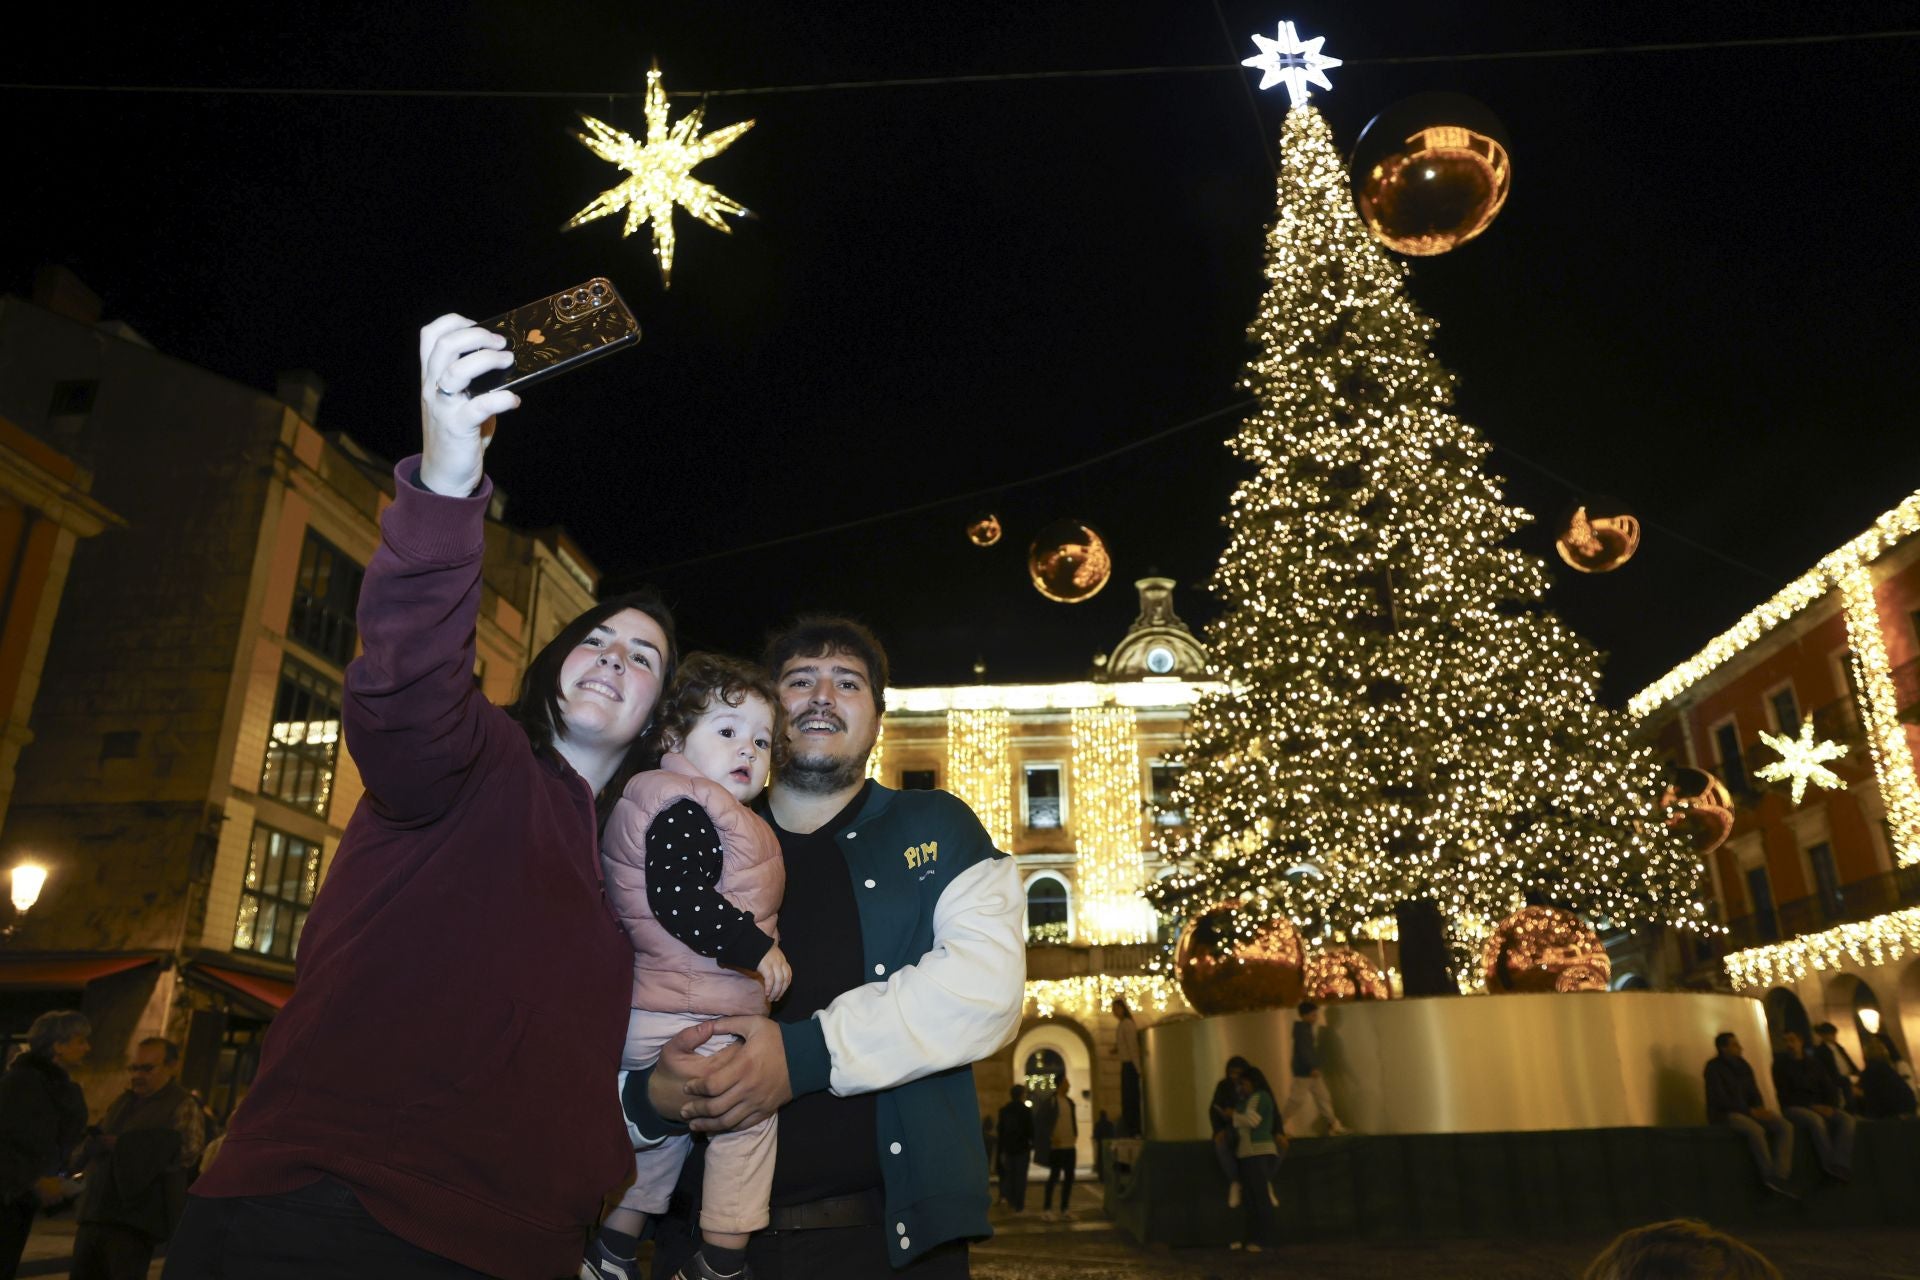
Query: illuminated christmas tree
point(1408, 740)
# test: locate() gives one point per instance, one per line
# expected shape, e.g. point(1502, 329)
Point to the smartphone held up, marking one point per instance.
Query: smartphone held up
point(560, 333)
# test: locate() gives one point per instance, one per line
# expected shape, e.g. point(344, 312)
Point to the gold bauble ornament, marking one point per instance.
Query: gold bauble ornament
point(984, 529)
point(1068, 562)
point(1598, 536)
point(1229, 963)
point(1699, 805)
point(1430, 173)
point(1545, 949)
point(1341, 973)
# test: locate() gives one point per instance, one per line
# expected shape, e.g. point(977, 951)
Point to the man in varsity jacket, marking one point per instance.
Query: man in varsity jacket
point(904, 928)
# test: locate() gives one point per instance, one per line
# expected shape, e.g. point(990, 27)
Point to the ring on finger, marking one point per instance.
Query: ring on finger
point(440, 390)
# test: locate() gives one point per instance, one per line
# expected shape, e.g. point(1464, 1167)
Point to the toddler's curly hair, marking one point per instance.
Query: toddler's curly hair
point(702, 678)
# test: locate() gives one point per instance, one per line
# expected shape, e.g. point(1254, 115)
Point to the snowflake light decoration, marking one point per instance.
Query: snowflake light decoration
point(1291, 61)
point(660, 173)
point(1801, 760)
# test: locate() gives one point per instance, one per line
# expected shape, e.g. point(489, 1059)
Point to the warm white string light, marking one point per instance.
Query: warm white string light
point(978, 770)
point(1107, 811)
point(1092, 994)
point(1885, 939)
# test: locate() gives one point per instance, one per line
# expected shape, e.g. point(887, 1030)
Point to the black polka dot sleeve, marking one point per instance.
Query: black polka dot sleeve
point(683, 874)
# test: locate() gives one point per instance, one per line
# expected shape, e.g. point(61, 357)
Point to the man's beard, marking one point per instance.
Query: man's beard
point(823, 775)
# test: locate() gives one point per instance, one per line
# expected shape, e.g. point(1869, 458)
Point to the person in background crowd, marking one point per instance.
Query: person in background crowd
point(1309, 1091)
point(1836, 1061)
point(1808, 1097)
point(1063, 1143)
point(1682, 1249)
point(42, 1115)
point(1015, 1148)
point(1226, 1138)
point(1883, 1094)
point(1126, 1045)
point(1733, 1099)
point(1259, 1156)
point(1103, 1133)
point(137, 1164)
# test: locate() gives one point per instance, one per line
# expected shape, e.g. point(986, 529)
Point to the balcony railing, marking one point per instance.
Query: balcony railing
point(1861, 900)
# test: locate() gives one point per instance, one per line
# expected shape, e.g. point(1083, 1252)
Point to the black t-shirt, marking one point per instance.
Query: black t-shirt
point(828, 1146)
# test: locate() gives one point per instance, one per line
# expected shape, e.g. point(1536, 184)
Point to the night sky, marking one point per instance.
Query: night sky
point(1700, 298)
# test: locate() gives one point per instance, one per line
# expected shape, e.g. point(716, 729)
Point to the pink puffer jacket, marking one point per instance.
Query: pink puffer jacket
point(668, 975)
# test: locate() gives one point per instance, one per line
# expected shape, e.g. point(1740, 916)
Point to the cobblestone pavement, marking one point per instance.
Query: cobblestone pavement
point(1025, 1248)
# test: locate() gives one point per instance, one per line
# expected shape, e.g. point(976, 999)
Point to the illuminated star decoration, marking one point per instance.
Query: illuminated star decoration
point(660, 173)
point(1800, 761)
point(1292, 61)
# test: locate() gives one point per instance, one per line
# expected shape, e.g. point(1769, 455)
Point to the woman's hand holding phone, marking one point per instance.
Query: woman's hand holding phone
point(455, 427)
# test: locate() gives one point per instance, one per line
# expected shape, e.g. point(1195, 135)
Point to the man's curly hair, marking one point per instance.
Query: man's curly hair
point(702, 678)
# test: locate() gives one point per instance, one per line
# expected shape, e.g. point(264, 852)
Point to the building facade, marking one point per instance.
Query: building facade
point(186, 787)
point(1820, 893)
point(1072, 779)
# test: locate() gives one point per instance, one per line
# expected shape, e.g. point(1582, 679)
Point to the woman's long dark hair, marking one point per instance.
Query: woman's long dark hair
point(537, 709)
point(1256, 1080)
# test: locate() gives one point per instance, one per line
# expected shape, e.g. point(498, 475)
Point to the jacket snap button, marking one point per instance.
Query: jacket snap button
point(895, 1148)
point(901, 1227)
point(853, 835)
point(880, 968)
point(869, 884)
point(905, 1243)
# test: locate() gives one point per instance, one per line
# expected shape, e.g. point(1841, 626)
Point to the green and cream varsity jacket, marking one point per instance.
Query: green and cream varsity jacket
point(942, 932)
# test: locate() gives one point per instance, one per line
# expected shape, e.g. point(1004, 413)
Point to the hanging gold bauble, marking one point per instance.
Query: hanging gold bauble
point(1700, 805)
point(1430, 173)
point(1068, 562)
point(1598, 536)
point(1228, 963)
point(984, 529)
point(1341, 973)
point(1545, 949)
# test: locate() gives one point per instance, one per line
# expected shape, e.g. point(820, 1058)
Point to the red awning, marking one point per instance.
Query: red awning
point(69, 973)
point(273, 993)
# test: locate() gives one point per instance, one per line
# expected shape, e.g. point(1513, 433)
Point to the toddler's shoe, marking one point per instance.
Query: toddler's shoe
point(698, 1268)
point(601, 1265)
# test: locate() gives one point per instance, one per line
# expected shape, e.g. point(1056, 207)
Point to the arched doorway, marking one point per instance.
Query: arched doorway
point(1049, 909)
point(1039, 1057)
point(1785, 1013)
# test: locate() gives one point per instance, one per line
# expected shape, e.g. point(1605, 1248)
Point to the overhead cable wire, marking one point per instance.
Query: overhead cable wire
point(996, 77)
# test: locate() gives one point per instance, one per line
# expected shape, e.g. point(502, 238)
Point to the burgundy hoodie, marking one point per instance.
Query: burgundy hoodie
point(451, 1044)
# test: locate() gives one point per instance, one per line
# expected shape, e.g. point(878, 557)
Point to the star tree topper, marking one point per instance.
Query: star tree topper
point(660, 173)
point(1801, 761)
point(1291, 61)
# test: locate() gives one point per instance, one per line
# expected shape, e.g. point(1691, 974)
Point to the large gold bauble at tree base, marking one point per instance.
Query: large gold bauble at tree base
point(1700, 807)
point(1069, 562)
point(1430, 173)
point(1341, 973)
point(983, 530)
point(1598, 535)
point(1545, 949)
point(1230, 962)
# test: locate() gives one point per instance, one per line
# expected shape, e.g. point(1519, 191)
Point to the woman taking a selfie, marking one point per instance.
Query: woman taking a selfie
point(437, 1098)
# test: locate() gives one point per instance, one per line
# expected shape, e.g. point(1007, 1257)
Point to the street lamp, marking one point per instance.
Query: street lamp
point(1870, 1019)
point(28, 879)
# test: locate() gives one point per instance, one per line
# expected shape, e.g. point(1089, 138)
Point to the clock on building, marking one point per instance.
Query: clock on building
point(1160, 660)
point(1158, 643)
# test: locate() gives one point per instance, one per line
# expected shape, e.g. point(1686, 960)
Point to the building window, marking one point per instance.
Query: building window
point(1047, 910)
point(1760, 895)
point(1733, 771)
point(324, 596)
point(304, 742)
point(1041, 799)
point(1826, 878)
point(283, 874)
point(1786, 711)
point(1162, 778)
point(917, 779)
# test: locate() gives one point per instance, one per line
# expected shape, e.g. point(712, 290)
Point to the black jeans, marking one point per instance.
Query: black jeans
point(319, 1232)
point(1013, 1179)
point(1059, 1162)
point(1129, 1100)
point(102, 1251)
point(845, 1253)
point(16, 1224)
point(1256, 1180)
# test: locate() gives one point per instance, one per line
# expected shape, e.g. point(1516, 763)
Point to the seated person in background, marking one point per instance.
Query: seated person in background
point(1809, 1098)
point(1733, 1099)
point(1833, 1056)
point(1683, 1249)
point(1883, 1094)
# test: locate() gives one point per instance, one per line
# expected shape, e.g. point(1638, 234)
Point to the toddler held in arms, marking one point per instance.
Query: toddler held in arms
point(696, 880)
